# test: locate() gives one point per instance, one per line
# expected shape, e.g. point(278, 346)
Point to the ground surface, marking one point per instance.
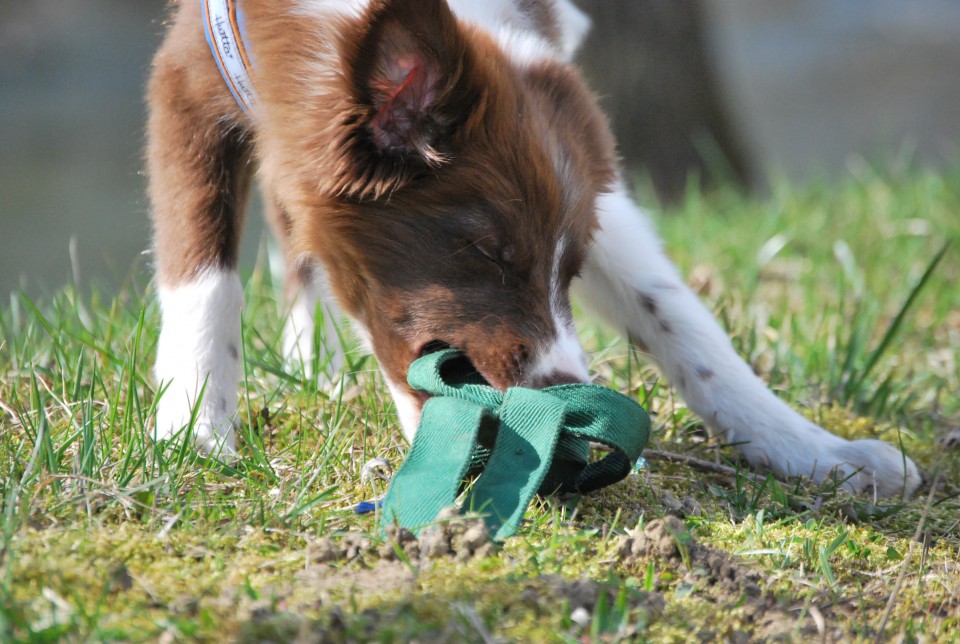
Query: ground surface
point(106, 538)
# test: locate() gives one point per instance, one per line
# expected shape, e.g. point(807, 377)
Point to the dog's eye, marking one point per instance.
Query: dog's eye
point(490, 256)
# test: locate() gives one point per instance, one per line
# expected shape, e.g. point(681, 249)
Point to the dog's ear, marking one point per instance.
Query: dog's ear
point(410, 74)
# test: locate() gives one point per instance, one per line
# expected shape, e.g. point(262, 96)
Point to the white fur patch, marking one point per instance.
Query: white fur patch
point(500, 18)
point(574, 25)
point(322, 8)
point(299, 328)
point(524, 47)
point(489, 14)
point(408, 409)
point(564, 356)
point(556, 290)
point(199, 352)
point(505, 21)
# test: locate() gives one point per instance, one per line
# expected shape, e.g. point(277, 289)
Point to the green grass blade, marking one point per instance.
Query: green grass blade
point(855, 384)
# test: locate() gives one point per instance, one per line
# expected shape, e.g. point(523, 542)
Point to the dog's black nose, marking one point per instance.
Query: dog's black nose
point(553, 378)
point(432, 347)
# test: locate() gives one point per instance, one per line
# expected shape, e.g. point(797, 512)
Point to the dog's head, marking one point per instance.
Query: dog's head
point(454, 195)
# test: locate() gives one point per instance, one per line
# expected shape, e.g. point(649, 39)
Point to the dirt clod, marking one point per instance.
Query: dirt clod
point(669, 538)
point(462, 538)
point(402, 539)
point(659, 537)
point(715, 573)
point(327, 550)
point(452, 536)
point(682, 507)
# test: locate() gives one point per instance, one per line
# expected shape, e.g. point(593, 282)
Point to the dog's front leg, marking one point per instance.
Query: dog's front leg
point(629, 281)
point(198, 167)
point(306, 292)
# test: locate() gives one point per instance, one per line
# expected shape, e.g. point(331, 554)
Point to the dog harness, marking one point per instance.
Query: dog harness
point(223, 25)
point(515, 444)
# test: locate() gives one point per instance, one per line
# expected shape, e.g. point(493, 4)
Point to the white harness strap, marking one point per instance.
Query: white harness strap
point(223, 27)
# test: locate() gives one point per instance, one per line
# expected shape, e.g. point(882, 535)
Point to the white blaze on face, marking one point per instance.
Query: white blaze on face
point(565, 355)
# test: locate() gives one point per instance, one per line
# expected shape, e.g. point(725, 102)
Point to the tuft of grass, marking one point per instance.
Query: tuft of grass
point(842, 297)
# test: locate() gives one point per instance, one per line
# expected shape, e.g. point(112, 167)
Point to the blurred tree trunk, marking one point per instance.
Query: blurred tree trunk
point(650, 61)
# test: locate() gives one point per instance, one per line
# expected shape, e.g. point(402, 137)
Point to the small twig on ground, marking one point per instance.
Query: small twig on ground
point(906, 561)
point(702, 465)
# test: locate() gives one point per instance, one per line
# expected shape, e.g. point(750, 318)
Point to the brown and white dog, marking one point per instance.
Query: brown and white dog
point(440, 169)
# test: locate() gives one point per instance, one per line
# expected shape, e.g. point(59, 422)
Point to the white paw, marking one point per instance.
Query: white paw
point(878, 468)
point(801, 448)
point(212, 431)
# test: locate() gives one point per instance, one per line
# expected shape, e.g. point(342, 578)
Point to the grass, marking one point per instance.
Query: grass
point(842, 297)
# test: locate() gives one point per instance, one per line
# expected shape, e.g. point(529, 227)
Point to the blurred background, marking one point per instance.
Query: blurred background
point(754, 92)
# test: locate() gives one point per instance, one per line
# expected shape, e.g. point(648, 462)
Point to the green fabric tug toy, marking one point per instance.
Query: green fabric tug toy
point(516, 444)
